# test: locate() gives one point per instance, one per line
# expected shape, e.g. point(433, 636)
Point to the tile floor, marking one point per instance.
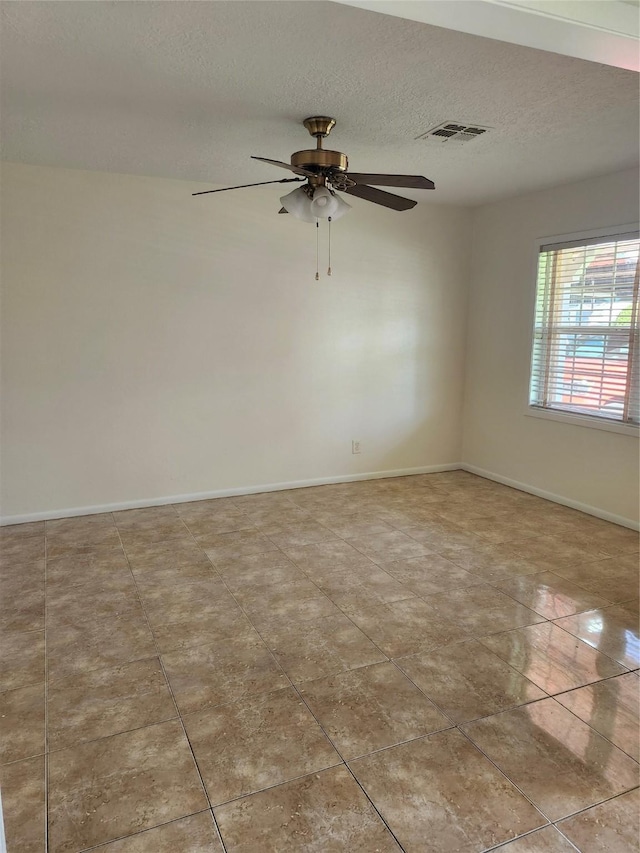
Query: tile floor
point(430, 663)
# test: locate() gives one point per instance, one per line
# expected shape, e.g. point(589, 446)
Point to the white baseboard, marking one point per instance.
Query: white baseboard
point(223, 493)
point(322, 481)
point(550, 496)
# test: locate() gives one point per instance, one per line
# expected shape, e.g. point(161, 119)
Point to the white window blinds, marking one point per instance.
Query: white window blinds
point(586, 345)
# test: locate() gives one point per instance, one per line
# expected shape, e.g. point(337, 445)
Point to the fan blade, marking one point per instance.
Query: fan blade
point(282, 210)
point(288, 166)
point(242, 186)
point(417, 182)
point(395, 202)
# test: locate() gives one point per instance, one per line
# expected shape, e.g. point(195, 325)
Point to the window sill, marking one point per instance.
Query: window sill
point(582, 421)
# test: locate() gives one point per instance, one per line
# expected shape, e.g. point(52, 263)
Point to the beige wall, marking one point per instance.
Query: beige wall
point(158, 345)
point(584, 465)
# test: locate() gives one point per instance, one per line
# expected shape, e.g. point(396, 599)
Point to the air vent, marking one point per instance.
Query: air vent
point(454, 132)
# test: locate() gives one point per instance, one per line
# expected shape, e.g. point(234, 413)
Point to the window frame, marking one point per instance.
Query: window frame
point(571, 418)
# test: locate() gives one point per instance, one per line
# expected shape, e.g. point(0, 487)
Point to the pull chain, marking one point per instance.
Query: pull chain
point(329, 270)
point(317, 250)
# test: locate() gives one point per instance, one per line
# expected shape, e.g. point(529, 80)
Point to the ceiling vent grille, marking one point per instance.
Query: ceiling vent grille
point(454, 132)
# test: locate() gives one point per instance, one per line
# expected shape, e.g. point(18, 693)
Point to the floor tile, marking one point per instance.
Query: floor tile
point(21, 659)
point(174, 552)
point(453, 576)
point(321, 647)
point(221, 672)
point(550, 595)
point(552, 658)
point(200, 598)
point(441, 794)
point(612, 708)
point(322, 560)
point(22, 609)
point(146, 515)
point(16, 533)
point(27, 577)
point(389, 546)
point(547, 840)
point(227, 621)
point(105, 702)
point(88, 526)
point(79, 647)
point(145, 533)
point(23, 805)
point(262, 741)
point(150, 581)
point(257, 569)
point(238, 544)
point(405, 627)
point(266, 517)
point(119, 785)
point(611, 827)
point(17, 552)
point(299, 600)
point(94, 601)
point(614, 631)
point(552, 552)
point(439, 536)
point(612, 538)
point(356, 526)
point(491, 562)
point(194, 834)
point(82, 541)
point(430, 574)
point(467, 681)
point(206, 507)
point(366, 589)
point(613, 578)
point(21, 723)
point(201, 525)
point(481, 609)
point(501, 527)
point(322, 813)
point(68, 572)
point(557, 761)
point(370, 708)
point(299, 534)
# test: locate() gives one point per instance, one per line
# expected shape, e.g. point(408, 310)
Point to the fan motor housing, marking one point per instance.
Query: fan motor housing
point(320, 160)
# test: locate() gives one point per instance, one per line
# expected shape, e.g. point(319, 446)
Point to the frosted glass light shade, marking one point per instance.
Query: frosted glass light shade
point(323, 205)
point(341, 208)
point(298, 204)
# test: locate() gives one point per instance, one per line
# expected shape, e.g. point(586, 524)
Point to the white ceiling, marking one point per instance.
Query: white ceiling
point(191, 89)
point(605, 31)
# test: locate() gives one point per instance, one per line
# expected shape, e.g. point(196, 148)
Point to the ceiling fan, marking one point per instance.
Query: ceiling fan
point(324, 172)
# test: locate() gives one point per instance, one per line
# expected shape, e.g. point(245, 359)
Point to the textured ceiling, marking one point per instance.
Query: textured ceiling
point(191, 89)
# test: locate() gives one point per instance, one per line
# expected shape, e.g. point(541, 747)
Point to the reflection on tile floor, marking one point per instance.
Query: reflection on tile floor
point(433, 663)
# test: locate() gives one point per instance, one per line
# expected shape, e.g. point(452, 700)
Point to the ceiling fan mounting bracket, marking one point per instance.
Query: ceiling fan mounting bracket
point(319, 126)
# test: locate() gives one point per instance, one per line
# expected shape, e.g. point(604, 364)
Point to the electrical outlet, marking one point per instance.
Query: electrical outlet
point(355, 446)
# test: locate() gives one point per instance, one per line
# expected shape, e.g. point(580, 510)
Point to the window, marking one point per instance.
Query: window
point(586, 342)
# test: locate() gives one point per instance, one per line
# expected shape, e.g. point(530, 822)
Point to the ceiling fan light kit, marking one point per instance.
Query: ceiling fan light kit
point(326, 171)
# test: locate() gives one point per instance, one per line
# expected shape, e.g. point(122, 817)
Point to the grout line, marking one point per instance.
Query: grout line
point(604, 737)
point(173, 698)
point(141, 832)
point(294, 685)
point(524, 835)
point(302, 699)
point(502, 773)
